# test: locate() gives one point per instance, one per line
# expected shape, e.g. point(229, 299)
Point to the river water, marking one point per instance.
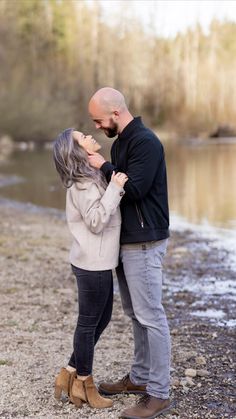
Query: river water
point(201, 181)
point(202, 199)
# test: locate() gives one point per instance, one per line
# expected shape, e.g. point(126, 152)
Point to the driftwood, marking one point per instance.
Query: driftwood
point(223, 131)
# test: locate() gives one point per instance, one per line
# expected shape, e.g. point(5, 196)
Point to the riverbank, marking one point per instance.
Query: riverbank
point(38, 314)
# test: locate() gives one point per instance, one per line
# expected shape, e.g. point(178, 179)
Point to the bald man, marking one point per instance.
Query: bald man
point(138, 152)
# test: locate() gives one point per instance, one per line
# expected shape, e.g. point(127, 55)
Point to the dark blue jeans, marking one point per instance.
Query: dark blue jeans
point(95, 298)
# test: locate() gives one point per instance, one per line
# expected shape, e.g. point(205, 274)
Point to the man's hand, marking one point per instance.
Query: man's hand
point(96, 160)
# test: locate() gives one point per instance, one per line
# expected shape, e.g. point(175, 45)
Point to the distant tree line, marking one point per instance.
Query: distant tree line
point(55, 53)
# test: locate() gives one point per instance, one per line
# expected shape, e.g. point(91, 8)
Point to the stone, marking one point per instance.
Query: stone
point(203, 373)
point(175, 382)
point(190, 372)
point(200, 360)
point(189, 381)
point(181, 249)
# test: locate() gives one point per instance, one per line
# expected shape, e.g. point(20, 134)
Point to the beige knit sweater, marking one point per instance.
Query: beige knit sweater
point(94, 220)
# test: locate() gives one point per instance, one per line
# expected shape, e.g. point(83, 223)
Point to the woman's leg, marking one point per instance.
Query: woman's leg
point(107, 311)
point(95, 304)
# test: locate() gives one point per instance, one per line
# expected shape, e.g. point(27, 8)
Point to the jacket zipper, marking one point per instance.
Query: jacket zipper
point(139, 215)
point(136, 206)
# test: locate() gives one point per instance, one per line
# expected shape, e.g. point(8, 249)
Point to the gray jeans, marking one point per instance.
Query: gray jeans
point(140, 281)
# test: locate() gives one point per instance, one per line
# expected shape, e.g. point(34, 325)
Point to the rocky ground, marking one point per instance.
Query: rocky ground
point(38, 313)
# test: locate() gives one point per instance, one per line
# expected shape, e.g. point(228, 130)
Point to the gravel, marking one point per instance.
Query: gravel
point(39, 311)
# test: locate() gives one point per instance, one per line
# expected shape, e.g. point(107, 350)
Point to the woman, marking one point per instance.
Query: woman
point(93, 216)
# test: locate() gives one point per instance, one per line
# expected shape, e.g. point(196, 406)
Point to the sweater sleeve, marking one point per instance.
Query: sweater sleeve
point(143, 163)
point(96, 209)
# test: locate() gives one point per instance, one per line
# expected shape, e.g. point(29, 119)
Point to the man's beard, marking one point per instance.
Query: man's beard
point(112, 131)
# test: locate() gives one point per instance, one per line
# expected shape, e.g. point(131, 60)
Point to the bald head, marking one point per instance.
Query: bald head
point(109, 111)
point(109, 100)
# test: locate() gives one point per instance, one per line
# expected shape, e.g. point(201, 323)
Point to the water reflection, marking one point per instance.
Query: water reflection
point(201, 181)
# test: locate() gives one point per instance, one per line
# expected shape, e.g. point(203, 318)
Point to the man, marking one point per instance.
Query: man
point(144, 233)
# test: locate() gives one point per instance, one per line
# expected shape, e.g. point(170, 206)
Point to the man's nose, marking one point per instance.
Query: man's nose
point(97, 125)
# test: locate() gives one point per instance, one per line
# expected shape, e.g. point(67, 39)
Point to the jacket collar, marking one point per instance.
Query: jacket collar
point(127, 131)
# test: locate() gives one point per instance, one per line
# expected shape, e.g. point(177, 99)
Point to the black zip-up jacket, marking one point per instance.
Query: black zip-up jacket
point(144, 208)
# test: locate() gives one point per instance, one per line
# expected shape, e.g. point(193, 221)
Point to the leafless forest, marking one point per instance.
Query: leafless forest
point(55, 54)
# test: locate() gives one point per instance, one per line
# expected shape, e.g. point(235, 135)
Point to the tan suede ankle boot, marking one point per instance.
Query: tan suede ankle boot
point(63, 382)
point(87, 392)
point(77, 394)
point(93, 396)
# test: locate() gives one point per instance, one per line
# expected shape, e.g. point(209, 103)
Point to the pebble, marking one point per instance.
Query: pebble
point(200, 360)
point(181, 249)
point(190, 354)
point(185, 382)
point(190, 372)
point(175, 382)
point(203, 373)
point(189, 381)
point(185, 389)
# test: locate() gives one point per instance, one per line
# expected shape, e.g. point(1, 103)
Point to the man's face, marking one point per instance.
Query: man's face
point(104, 121)
point(110, 127)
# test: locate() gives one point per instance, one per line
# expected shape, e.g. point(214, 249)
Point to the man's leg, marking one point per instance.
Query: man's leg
point(140, 368)
point(142, 267)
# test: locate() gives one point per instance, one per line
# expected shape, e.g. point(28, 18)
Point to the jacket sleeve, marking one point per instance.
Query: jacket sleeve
point(107, 167)
point(143, 163)
point(96, 209)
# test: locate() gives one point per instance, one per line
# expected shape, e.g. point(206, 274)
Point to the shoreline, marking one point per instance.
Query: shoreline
point(223, 236)
point(39, 310)
point(8, 144)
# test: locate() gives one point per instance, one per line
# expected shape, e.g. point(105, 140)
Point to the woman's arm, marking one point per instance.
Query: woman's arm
point(95, 208)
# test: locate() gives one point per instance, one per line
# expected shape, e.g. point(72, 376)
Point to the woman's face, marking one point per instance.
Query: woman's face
point(86, 141)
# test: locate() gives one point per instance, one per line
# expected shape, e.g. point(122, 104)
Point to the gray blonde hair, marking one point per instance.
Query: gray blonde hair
point(71, 161)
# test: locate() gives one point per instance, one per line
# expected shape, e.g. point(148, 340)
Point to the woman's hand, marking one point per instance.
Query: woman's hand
point(119, 178)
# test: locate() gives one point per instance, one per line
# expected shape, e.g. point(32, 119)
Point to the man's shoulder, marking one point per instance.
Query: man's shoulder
point(146, 137)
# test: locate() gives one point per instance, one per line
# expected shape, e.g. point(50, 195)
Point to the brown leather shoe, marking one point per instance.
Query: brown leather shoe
point(122, 386)
point(148, 407)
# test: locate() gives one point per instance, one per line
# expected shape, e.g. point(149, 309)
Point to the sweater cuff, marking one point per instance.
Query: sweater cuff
point(117, 188)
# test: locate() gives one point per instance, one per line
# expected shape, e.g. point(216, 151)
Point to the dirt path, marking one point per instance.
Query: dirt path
point(38, 314)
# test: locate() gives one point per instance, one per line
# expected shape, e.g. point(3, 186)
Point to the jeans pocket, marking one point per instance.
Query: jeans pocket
point(160, 251)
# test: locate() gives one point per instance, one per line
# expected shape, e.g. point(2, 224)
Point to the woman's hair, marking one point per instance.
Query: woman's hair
point(71, 160)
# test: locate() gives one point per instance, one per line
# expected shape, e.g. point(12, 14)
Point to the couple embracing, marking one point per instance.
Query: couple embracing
point(117, 213)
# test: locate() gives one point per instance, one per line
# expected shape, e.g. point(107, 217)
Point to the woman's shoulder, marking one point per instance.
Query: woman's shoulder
point(86, 184)
point(83, 183)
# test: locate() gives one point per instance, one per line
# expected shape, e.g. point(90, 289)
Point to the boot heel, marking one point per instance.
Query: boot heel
point(57, 392)
point(63, 382)
point(76, 401)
